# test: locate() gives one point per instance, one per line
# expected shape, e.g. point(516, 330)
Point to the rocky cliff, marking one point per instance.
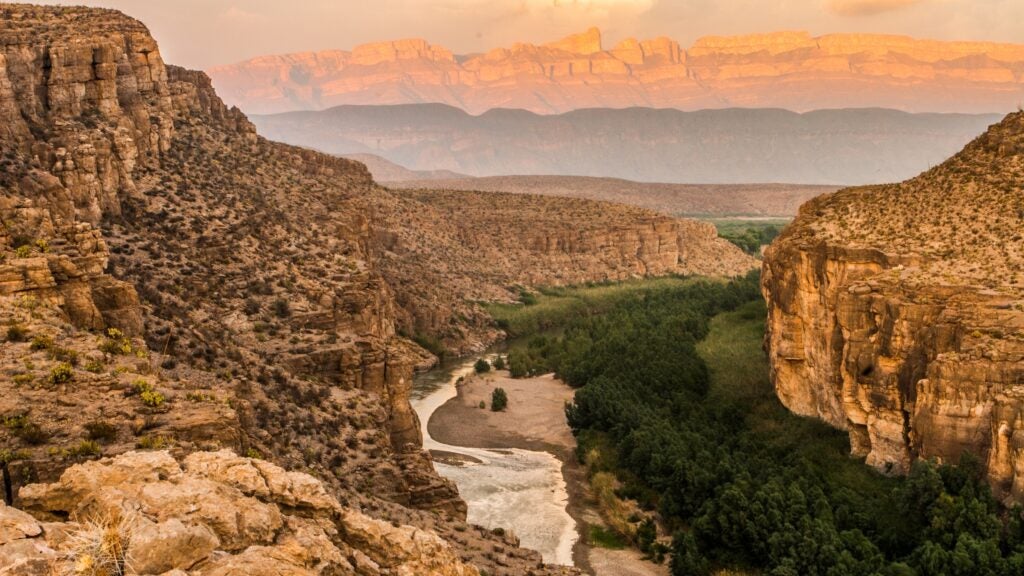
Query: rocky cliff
point(791, 70)
point(169, 280)
point(213, 513)
point(897, 312)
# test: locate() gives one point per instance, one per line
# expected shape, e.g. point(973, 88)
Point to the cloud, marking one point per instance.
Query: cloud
point(868, 7)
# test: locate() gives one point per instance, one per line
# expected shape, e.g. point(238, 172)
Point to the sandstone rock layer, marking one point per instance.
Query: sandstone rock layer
point(897, 312)
point(790, 70)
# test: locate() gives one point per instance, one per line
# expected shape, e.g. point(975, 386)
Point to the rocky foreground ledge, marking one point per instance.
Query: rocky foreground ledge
point(213, 513)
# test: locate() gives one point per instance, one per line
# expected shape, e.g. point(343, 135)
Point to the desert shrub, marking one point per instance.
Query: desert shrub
point(499, 363)
point(499, 400)
point(17, 333)
point(64, 355)
point(22, 379)
point(115, 343)
point(281, 308)
point(85, 449)
point(149, 395)
point(100, 430)
point(481, 366)
point(154, 442)
point(62, 373)
point(41, 342)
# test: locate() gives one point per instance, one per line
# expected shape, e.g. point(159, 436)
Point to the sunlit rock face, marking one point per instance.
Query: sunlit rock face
point(791, 70)
point(897, 312)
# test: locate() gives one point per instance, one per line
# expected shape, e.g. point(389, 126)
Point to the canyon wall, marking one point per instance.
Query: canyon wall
point(791, 70)
point(169, 280)
point(897, 312)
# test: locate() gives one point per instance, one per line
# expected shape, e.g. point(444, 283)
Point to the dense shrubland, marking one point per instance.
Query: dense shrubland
point(674, 402)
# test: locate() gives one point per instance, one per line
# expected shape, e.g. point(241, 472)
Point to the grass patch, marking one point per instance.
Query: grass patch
point(602, 537)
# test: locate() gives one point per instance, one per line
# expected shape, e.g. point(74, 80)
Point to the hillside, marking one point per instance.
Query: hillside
point(791, 70)
point(758, 200)
point(171, 280)
point(827, 147)
point(896, 312)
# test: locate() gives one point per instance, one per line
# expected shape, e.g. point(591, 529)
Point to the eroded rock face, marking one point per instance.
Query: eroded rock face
point(790, 70)
point(213, 513)
point(897, 312)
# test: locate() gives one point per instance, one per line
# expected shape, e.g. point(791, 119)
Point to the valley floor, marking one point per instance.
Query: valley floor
point(534, 420)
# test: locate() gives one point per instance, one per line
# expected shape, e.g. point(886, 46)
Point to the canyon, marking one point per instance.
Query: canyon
point(896, 312)
point(791, 70)
point(170, 280)
point(735, 146)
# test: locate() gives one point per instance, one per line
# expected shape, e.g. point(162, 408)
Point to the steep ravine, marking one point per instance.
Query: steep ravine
point(897, 313)
point(171, 280)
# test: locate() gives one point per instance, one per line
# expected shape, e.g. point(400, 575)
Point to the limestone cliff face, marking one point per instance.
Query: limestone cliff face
point(213, 513)
point(96, 129)
point(897, 312)
point(790, 70)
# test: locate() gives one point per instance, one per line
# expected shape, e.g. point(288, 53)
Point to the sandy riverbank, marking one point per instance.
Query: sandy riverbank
point(534, 420)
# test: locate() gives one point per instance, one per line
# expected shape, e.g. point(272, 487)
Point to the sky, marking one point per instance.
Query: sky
point(204, 33)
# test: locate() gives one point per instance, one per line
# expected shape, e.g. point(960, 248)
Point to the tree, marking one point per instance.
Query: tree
point(499, 400)
point(482, 366)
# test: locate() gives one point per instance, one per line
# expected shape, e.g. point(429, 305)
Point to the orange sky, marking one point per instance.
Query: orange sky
point(203, 33)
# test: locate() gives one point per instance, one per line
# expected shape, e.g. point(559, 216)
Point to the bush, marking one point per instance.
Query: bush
point(149, 395)
point(42, 342)
point(499, 400)
point(17, 333)
point(100, 430)
point(62, 373)
point(482, 366)
point(499, 363)
point(281, 308)
point(116, 343)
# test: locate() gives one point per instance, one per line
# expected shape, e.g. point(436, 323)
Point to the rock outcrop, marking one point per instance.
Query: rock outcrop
point(170, 280)
point(791, 70)
point(214, 513)
point(897, 312)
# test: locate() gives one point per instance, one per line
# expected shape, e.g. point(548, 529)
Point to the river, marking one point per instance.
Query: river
point(518, 490)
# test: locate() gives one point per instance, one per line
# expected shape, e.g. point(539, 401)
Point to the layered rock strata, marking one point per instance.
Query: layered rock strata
point(791, 70)
point(169, 280)
point(897, 312)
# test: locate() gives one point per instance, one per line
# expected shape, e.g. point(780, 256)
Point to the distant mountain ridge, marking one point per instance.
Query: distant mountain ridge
point(734, 146)
point(791, 70)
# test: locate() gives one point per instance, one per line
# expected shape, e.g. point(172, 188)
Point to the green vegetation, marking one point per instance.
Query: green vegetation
point(604, 538)
point(62, 373)
point(17, 333)
point(149, 395)
point(554, 308)
point(499, 363)
point(116, 343)
point(674, 410)
point(100, 430)
point(750, 235)
point(481, 366)
point(499, 400)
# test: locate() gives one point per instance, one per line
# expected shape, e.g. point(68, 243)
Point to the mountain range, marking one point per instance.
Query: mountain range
point(733, 146)
point(791, 70)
